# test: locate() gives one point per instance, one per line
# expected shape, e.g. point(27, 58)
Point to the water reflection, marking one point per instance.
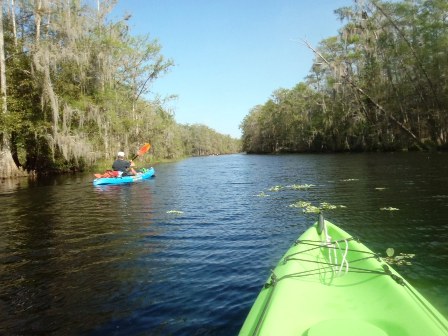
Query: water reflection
point(69, 247)
point(80, 259)
point(8, 186)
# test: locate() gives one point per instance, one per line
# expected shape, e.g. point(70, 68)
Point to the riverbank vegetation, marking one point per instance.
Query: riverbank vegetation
point(75, 87)
point(381, 84)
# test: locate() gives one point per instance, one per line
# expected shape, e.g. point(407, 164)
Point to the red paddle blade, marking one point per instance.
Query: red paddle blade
point(144, 149)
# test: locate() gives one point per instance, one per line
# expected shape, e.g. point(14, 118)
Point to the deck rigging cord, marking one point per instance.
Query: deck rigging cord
point(335, 267)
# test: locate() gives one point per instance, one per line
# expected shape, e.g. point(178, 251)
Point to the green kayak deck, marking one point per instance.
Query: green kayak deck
point(328, 283)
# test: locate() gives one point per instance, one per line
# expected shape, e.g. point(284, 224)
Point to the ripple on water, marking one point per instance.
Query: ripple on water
point(76, 259)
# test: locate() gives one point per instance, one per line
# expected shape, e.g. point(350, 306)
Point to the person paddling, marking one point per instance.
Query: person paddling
point(123, 166)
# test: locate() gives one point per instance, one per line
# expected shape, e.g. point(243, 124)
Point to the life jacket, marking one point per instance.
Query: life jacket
point(108, 173)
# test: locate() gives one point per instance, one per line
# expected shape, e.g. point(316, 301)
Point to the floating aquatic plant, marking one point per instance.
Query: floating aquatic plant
point(175, 212)
point(328, 206)
point(301, 186)
point(401, 259)
point(309, 208)
point(276, 188)
point(389, 209)
point(262, 194)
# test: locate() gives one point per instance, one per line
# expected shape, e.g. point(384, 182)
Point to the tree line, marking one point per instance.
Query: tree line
point(380, 84)
point(75, 86)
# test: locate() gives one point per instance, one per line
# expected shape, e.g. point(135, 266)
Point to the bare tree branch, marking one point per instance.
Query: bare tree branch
point(349, 80)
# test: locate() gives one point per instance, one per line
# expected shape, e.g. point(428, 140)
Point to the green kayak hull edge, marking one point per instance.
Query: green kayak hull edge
point(328, 283)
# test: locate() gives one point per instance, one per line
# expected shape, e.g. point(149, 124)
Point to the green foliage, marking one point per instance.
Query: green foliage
point(77, 86)
point(379, 85)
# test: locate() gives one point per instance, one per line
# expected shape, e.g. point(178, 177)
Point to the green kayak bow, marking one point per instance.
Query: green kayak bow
point(328, 283)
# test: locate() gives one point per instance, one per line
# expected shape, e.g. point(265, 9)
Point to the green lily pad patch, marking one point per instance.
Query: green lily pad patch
point(276, 188)
point(328, 206)
point(300, 186)
point(309, 208)
point(401, 259)
point(175, 212)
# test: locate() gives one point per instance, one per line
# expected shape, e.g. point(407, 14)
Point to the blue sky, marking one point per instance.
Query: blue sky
point(230, 55)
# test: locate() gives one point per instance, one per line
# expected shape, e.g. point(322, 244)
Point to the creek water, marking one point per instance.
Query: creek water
point(186, 252)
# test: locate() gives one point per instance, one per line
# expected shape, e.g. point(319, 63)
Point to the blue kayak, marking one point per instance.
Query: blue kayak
point(142, 175)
